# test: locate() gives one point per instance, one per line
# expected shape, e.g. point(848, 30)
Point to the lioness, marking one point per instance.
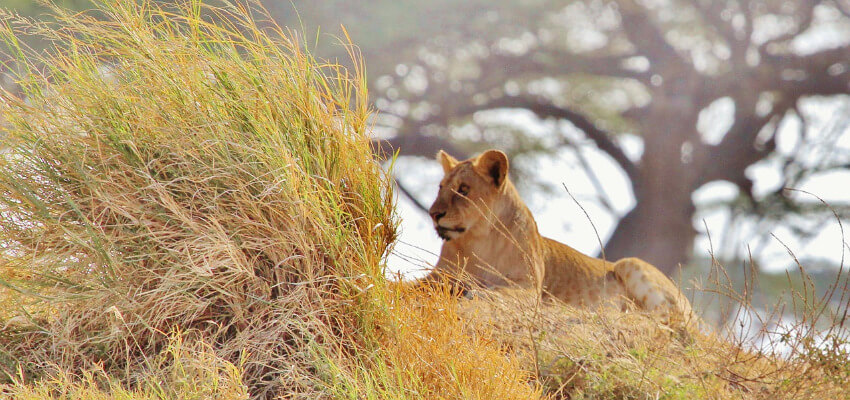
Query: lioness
point(489, 234)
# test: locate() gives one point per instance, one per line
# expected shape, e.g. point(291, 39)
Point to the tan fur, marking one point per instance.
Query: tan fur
point(491, 236)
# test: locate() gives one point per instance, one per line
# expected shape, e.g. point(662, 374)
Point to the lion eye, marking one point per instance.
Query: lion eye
point(463, 189)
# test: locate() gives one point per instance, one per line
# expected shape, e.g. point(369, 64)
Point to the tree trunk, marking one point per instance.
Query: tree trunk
point(659, 229)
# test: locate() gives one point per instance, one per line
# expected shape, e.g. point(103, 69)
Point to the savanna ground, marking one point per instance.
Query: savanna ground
point(190, 208)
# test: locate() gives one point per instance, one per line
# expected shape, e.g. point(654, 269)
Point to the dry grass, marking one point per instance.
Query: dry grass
point(189, 208)
point(163, 171)
point(444, 357)
point(181, 372)
point(589, 354)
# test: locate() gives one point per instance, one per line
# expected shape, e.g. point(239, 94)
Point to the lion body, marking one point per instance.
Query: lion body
point(491, 236)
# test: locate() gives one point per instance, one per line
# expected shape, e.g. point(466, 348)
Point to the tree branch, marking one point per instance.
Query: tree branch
point(414, 143)
point(712, 12)
point(648, 39)
point(844, 7)
point(601, 138)
point(554, 62)
point(809, 62)
point(818, 79)
point(737, 149)
point(410, 196)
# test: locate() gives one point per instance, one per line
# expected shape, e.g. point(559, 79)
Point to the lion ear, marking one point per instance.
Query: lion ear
point(448, 162)
point(492, 164)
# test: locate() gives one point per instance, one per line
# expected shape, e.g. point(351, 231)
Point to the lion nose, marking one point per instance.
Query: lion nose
point(436, 215)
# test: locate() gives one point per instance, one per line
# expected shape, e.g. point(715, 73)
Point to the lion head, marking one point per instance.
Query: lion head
point(467, 191)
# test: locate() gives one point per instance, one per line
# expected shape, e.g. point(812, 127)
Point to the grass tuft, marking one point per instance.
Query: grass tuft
point(181, 372)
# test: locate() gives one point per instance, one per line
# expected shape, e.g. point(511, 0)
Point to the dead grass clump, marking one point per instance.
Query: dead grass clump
point(185, 168)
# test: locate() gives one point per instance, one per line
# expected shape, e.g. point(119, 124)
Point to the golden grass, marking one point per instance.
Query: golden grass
point(192, 371)
point(429, 337)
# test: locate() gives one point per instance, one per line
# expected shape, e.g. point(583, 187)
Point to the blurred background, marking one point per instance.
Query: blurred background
point(675, 131)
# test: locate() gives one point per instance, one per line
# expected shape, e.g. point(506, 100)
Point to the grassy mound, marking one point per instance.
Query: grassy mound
point(585, 354)
point(188, 169)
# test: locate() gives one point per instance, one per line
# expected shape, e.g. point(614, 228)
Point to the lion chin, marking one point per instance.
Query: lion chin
point(446, 233)
point(509, 251)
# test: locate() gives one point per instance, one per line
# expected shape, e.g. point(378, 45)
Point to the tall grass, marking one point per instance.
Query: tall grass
point(190, 168)
point(184, 167)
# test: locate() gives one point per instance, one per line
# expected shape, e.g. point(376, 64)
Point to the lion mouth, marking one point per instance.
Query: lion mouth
point(444, 232)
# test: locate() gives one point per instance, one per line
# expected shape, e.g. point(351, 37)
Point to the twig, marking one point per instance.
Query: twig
point(598, 239)
point(410, 196)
